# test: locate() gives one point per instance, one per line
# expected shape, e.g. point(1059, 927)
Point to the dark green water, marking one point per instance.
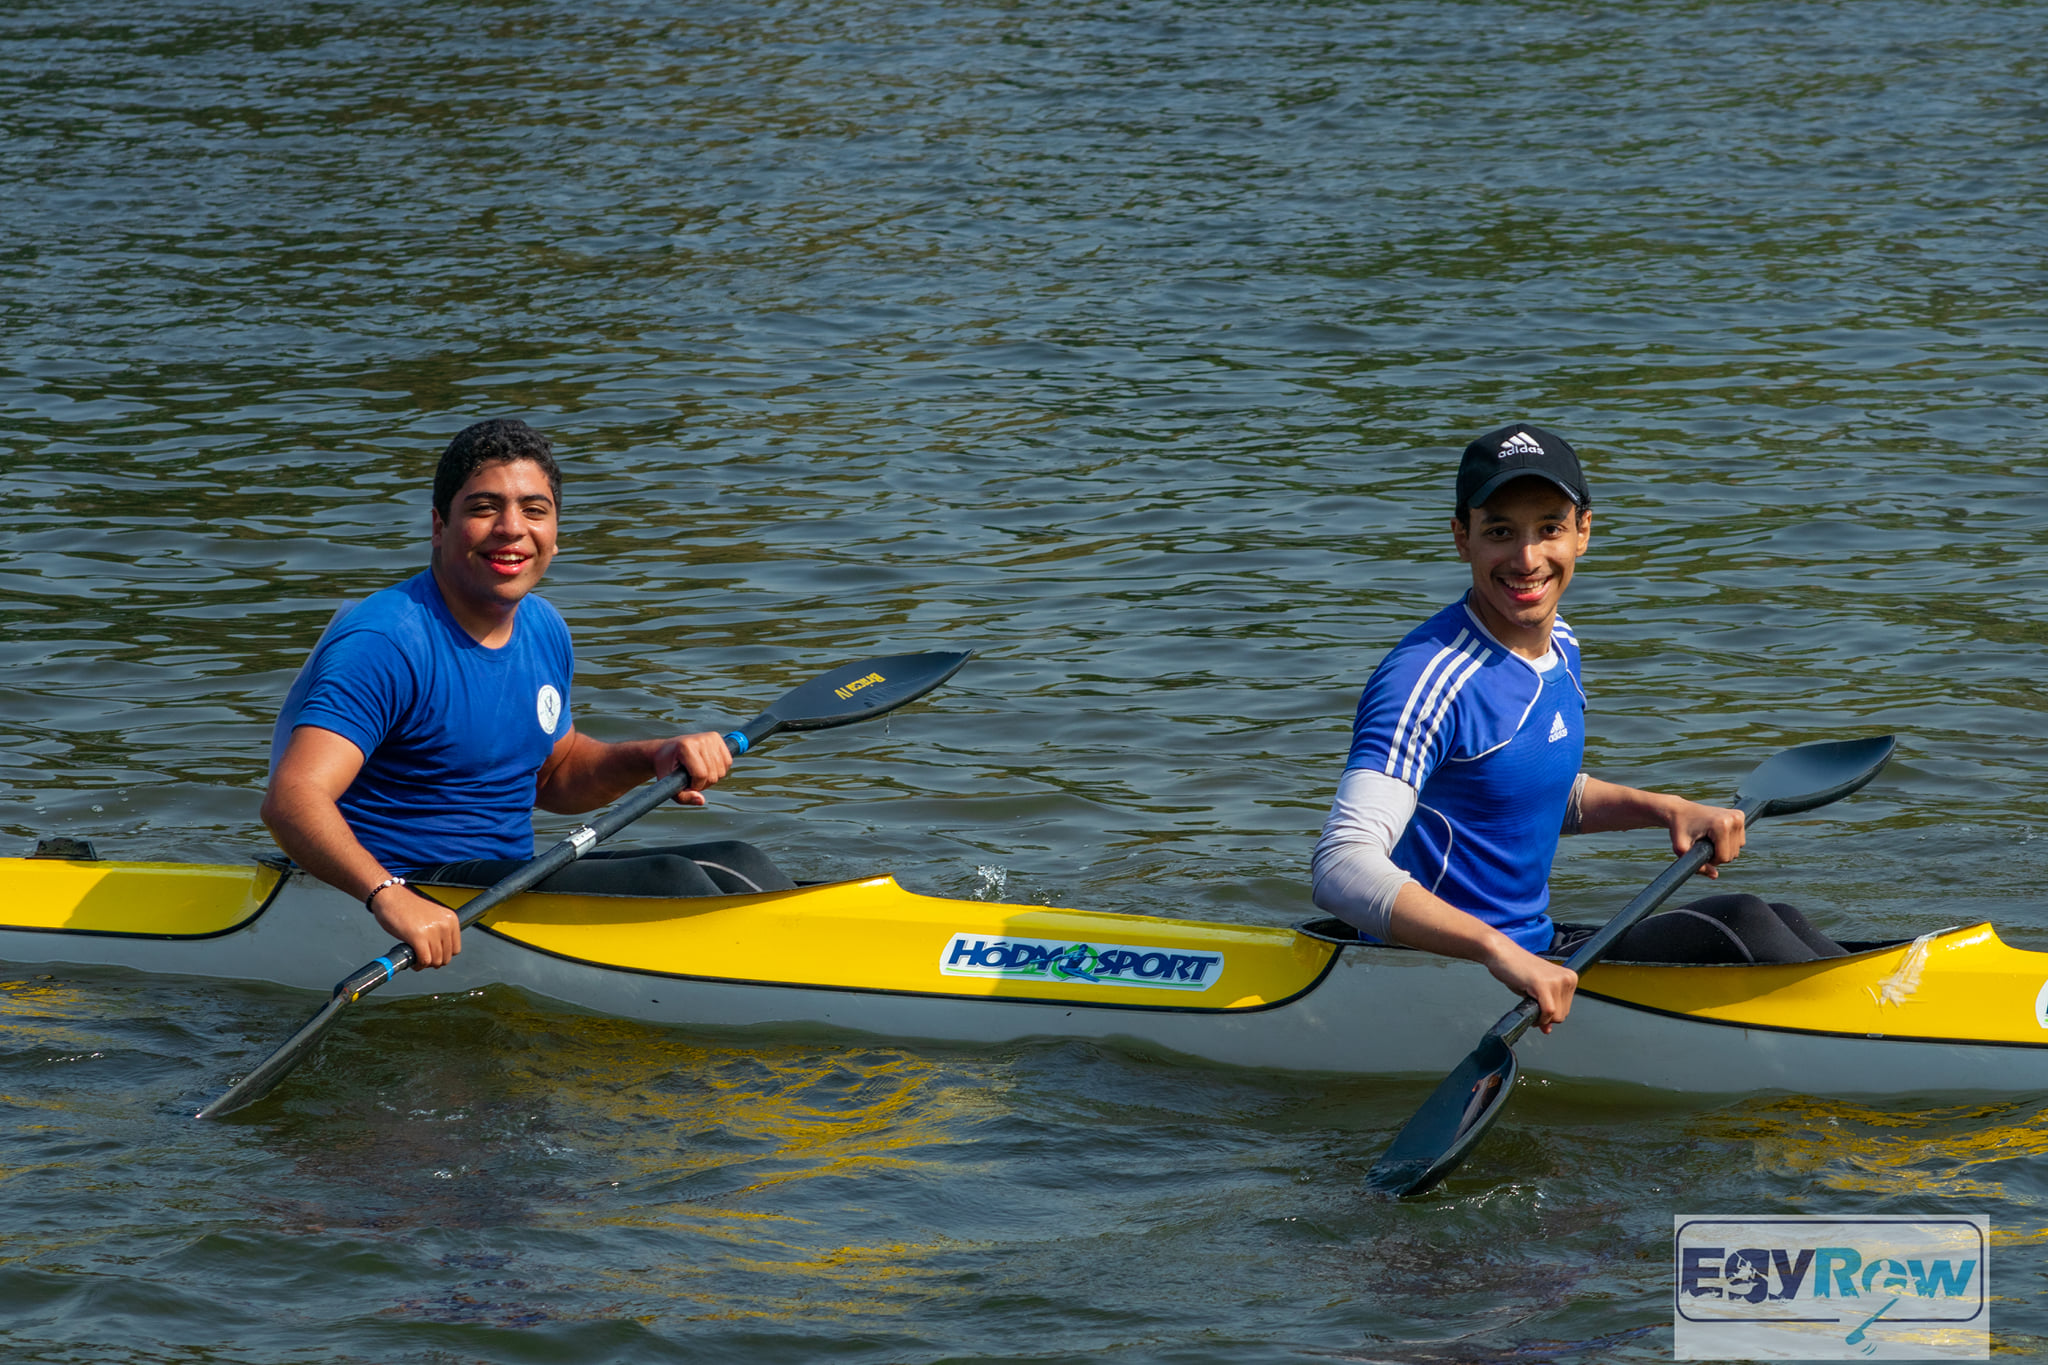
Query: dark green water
point(1130, 345)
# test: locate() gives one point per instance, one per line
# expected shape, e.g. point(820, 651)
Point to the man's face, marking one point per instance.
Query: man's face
point(499, 536)
point(1522, 544)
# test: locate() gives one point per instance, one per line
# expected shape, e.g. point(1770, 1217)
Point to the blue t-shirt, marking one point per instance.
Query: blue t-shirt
point(453, 734)
point(1492, 745)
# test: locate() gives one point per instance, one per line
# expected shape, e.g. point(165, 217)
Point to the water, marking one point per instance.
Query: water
point(1130, 346)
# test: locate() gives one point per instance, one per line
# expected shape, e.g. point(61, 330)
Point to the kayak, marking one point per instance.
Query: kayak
point(1953, 1010)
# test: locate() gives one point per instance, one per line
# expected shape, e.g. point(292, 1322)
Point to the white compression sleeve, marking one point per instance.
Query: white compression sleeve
point(1575, 808)
point(1352, 872)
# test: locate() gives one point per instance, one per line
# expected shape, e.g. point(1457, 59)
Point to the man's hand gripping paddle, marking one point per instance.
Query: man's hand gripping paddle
point(855, 692)
point(1456, 1116)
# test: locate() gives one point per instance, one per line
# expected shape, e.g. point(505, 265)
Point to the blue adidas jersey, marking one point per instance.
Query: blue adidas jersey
point(1492, 746)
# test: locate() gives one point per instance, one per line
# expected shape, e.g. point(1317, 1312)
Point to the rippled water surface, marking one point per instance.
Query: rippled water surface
point(1130, 345)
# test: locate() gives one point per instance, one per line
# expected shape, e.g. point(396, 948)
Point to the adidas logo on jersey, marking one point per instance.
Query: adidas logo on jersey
point(1558, 729)
point(1521, 443)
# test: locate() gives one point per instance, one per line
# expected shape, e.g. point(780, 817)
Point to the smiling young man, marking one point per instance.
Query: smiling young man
point(1465, 761)
point(432, 717)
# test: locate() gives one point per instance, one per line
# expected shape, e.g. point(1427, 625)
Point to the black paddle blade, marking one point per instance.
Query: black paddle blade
point(1810, 775)
point(864, 690)
point(1449, 1123)
point(277, 1065)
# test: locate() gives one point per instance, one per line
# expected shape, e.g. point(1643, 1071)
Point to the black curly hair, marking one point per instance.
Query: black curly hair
point(500, 440)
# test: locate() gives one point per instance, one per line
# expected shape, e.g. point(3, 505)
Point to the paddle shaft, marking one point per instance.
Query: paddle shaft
point(854, 692)
point(1516, 1021)
point(1462, 1108)
point(399, 956)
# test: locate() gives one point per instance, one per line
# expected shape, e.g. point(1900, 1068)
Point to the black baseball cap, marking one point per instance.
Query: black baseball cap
point(1517, 451)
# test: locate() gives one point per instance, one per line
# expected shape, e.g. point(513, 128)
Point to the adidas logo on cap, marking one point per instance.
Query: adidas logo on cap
point(1512, 452)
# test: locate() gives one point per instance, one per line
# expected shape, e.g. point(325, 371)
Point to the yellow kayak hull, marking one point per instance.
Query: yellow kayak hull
point(874, 936)
point(1954, 1010)
point(1957, 984)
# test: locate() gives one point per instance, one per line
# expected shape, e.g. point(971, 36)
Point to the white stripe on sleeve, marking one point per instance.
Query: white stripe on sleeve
point(1418, 747)
point(1417, 693)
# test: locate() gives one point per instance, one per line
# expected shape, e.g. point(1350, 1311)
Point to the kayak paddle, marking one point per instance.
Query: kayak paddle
point(854, 692)
point(1454, 1117)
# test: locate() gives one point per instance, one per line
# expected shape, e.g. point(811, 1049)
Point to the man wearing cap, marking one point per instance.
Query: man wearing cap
point(1464, 764)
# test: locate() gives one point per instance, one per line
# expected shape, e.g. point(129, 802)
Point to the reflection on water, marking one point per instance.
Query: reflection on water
point(596, 1131)
point(1960, 1154)
point(1129, 346)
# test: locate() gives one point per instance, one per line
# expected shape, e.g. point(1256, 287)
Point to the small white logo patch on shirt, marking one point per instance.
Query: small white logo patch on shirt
point(548, 706)
point(1558, 729)
point(1521, 443)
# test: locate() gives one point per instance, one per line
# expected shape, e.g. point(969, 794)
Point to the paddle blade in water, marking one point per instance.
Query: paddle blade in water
point(1450, 1122)
point(277, 1065)
point(860, 691)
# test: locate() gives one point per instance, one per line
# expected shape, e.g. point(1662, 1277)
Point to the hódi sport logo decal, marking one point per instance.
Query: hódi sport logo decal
point(1086, 964)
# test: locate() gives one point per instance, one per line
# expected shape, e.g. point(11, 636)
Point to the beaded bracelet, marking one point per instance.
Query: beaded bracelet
point(370, 901)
